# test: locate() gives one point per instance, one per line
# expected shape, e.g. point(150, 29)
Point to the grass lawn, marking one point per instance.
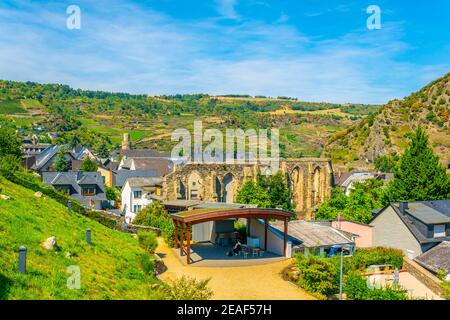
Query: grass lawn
point(11, 107)
point(110, 266)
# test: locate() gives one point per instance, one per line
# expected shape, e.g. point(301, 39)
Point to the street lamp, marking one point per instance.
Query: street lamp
point(342, 247)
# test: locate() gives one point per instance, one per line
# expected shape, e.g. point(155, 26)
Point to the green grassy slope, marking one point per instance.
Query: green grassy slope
point(110, 267)
point(11, 107)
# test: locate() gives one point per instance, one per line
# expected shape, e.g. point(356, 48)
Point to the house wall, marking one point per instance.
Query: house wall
point(275, 244)
point(364, 232)
point(128, 201)
point(390, 231)
point(107, 175)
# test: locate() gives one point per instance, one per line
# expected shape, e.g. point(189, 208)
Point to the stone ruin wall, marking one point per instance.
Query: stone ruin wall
point(309, 180)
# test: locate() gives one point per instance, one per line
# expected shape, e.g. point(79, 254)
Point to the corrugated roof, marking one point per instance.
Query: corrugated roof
point(312, 234)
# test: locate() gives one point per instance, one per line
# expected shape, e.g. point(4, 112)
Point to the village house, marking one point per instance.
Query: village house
point(139, 192)
point(437, 259)
point(414, 227)
point(310, 236)
point(85, 187)
point(347, 179)
point(44, 161)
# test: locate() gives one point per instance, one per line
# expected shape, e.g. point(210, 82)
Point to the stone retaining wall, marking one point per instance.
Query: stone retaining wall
point(423, 275)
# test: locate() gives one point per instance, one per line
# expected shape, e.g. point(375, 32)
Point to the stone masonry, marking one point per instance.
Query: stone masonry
point(308, 178)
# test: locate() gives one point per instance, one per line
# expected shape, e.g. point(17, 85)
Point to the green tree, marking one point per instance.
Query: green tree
point(111, 193)
point(384, 163)
point(102, 151)
point(88, 165)
point(9, 142)
point(252, 193)
point(419, 176)
point(62, 164)
point(358, 206)
point(279, 193)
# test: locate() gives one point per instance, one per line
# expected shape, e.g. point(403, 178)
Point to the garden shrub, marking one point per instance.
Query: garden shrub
point(147, 240)
point(316, 275)
point(186, 288)
point(446, 289)
point(357, 289)
point(156, 216)
point(148, 264)
point(365, 257)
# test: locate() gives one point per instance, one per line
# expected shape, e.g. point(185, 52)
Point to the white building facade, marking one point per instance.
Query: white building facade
point(137, 193)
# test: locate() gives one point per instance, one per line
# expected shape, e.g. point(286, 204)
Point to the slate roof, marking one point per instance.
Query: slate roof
point(133, 153)
point(137, 182)
point(76, 180)
point(120, 176)
point(429, 212)
point(436, 258)
point(76, 165)
point(311, 234)
point(45, 156)
point(161, 165)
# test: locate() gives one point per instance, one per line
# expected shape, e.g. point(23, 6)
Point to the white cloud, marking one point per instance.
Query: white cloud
point(227, 8)
point(125, 48)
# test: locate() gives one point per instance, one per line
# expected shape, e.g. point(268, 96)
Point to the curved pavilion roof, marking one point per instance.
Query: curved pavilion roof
point(211, 214)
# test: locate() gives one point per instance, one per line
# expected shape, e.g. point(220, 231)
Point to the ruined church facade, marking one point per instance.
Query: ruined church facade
point(309, 179)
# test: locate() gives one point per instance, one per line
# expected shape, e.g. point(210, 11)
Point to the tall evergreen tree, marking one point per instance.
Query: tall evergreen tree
point(418, 175)
point(102, 151)
point(62, 164)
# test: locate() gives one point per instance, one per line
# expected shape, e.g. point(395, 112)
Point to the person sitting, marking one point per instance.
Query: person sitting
point(237, 247)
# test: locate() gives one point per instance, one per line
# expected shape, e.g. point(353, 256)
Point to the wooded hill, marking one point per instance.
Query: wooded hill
point(96, 117)
point(385, 133)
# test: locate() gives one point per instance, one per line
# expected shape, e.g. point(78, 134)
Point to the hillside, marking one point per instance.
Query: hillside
point(110, 267)
point(98, 117)
point(386, 132)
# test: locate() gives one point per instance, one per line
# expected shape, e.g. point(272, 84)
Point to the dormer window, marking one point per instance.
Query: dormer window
point(63, 189)
point(439, 230)
point(89, 190)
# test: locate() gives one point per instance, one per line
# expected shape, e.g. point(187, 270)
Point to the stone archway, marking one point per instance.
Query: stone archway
point(297, 188)
point(181, 191)
point(316, 193)
point(218, 189)
point(229, 186)
point(195, 186)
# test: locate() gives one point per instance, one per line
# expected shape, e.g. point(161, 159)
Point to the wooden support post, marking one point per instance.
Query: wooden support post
point(176, 233)
point(285, 235)
point(181, 238)
point(188, 246)
point(265, 234)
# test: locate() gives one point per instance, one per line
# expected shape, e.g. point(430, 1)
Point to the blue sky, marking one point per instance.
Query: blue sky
point(310, 49)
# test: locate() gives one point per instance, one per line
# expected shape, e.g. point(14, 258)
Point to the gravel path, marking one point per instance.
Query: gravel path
point(247, 282)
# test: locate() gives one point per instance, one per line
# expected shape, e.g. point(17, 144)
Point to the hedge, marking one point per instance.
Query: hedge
point(31, 183)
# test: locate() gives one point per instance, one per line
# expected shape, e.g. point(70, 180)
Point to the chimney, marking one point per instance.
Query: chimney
point(403, 206)
point(126, 143)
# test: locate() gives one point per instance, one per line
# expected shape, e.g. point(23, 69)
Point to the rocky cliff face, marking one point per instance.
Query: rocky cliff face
point(387, 131)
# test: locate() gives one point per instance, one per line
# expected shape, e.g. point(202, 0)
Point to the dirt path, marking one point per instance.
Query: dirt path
point(248, 282)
